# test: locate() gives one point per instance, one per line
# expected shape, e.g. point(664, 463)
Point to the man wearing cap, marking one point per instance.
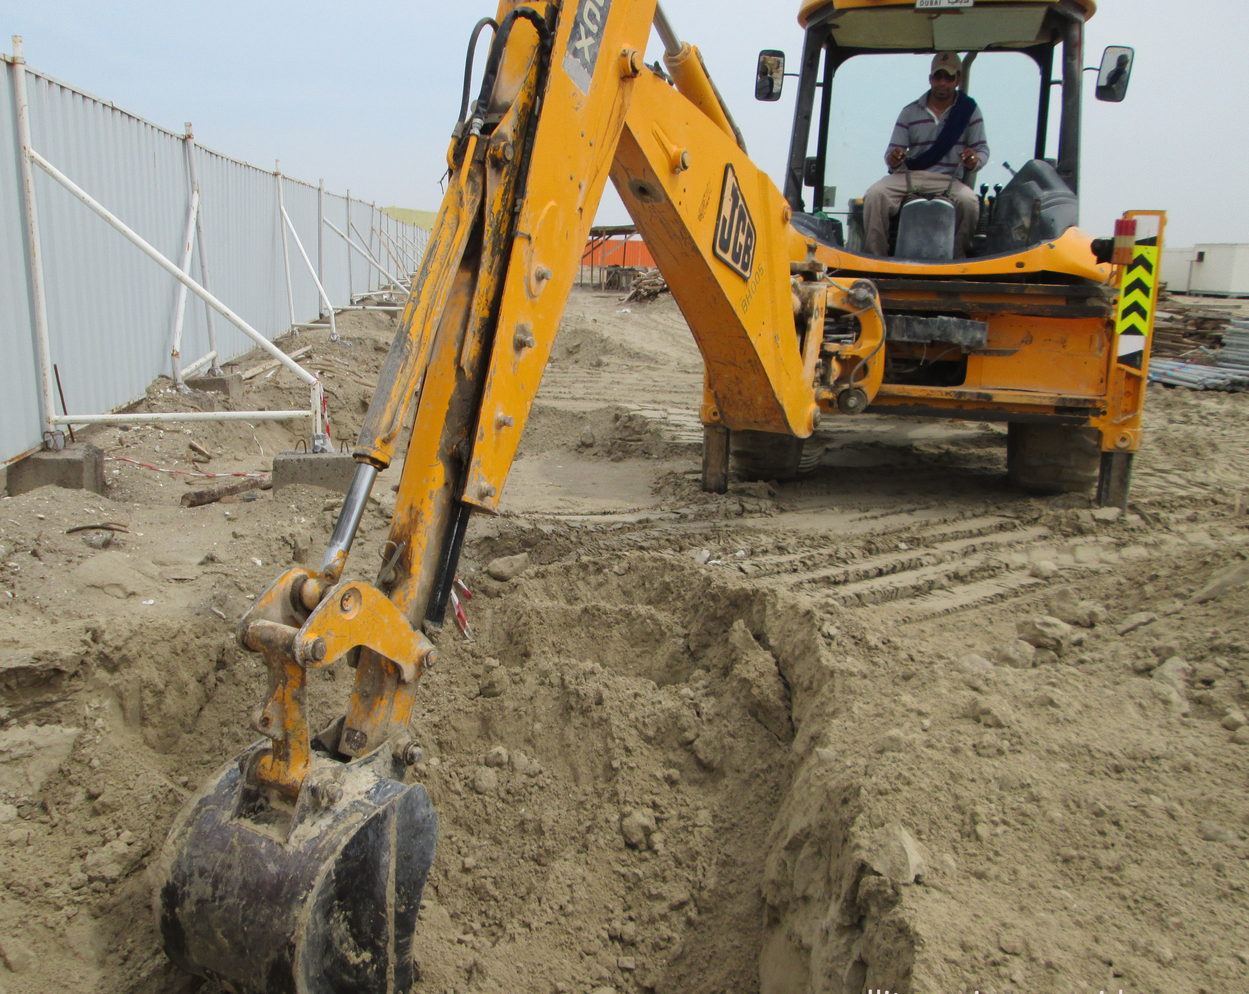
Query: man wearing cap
point(938, 140)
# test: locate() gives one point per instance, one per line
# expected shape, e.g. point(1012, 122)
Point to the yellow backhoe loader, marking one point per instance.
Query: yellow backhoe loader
point(300, 865)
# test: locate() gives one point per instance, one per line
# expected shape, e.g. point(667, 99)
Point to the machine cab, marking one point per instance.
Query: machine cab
point(864, 60)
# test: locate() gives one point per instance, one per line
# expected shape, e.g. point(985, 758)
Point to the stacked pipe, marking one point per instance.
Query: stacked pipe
point(1194, 377)
point(1235, 351)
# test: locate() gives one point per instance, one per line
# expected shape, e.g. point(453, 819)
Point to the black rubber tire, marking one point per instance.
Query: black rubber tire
point(765, 455)
point(1053, 459)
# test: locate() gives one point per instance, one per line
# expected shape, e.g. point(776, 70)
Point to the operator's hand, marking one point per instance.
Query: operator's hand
point(895, 157)
point(970, 160)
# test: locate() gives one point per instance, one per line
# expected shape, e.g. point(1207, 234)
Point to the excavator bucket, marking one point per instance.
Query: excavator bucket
point(318, 895)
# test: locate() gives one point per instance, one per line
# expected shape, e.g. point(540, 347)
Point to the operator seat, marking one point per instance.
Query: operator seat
point(926, 229)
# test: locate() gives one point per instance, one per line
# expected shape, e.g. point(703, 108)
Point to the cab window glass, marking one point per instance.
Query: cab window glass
point(870, 90)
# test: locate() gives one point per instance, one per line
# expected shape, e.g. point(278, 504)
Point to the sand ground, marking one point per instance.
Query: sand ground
point(784, 740)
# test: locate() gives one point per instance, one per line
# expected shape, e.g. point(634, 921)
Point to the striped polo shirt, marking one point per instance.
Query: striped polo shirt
point(918, 127)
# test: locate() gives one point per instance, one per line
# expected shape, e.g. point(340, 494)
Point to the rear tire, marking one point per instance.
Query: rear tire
point(765, 455)
point(1053, 459)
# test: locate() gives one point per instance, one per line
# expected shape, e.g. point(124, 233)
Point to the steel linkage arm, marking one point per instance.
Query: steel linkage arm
point(566, 101)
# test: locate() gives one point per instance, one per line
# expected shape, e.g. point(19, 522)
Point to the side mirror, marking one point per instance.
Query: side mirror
point(770, 75)
point(1115, 71)
point(810, 171)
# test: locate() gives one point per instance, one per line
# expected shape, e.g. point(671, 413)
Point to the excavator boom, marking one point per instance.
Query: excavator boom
point(300, 866)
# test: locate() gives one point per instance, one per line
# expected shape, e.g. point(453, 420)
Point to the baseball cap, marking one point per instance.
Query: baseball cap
point(947, 62)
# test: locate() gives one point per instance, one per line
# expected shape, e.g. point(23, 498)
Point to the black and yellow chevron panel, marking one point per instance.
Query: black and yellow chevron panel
point(1137, 298)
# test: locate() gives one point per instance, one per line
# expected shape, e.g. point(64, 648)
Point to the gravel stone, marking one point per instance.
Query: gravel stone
point(1175, 672)
point(495, 680)
point(497, 757)
point(485, 781)
point(637, 826)
point(1206, 673)
point(973, 665)
point(1045, 632)
point(895, 854)
point(1234, 720)
point(1212, 831)
point(1063, 604)
point(1090, 614)
point(508, 567)
point(1229, 579)
point(1017, 655)
point(17, 956)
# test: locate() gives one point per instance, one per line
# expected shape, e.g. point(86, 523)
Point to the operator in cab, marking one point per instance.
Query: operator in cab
point(938, 140)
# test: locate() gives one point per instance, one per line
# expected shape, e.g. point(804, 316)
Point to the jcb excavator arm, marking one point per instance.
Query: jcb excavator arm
point(300, 866)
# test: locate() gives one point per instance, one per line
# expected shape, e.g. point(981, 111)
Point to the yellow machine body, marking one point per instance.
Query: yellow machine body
point(264, 863)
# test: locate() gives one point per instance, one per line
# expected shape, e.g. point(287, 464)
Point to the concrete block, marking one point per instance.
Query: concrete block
point(78, 466)
point(329, 470)
point(230, 384)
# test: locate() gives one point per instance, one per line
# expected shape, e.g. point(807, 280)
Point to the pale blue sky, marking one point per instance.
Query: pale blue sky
point(364, 95)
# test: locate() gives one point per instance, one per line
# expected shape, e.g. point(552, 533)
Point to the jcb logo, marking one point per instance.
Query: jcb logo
point(583, 43)
point(735, 229)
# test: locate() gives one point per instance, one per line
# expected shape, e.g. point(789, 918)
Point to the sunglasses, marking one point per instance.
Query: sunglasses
point(944, 76)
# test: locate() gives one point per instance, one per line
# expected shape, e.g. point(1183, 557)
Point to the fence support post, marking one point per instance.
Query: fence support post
point(351, 283)
point(286, 252)
point(321, 241)
point(42, 348)
point(367, 258)
point(188, 243)
point(325, 300)
point(215, 366)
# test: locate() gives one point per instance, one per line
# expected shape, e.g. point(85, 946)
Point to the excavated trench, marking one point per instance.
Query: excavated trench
point(625, 767)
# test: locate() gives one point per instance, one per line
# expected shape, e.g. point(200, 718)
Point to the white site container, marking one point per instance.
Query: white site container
point(1220, 270)
point(1177, 268)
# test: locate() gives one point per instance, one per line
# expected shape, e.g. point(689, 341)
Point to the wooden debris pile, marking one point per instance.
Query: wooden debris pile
point(648, 286)
point(1191, 327)
point(617, 277)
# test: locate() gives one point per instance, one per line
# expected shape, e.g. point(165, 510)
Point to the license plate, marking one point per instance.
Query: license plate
point(939, 4)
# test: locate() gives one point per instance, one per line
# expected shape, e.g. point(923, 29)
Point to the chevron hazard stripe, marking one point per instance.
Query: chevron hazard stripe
point(1137, 298)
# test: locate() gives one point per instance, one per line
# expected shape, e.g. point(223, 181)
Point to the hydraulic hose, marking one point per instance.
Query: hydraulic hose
point(468, 60)
point(545, 39)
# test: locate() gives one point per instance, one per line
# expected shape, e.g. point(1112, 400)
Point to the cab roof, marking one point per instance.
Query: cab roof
point(891, 24)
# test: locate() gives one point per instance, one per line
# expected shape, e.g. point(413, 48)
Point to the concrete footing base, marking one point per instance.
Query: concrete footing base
point(78, 466)
point(230, 384)
point(329, 470)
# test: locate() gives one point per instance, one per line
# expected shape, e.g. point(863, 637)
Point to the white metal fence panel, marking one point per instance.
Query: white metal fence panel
point(20, 423)
point(244, 250)
point(338, 268)
point(110, 309)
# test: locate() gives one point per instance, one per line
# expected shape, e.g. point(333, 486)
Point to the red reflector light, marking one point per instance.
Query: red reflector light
point(1125, 241)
